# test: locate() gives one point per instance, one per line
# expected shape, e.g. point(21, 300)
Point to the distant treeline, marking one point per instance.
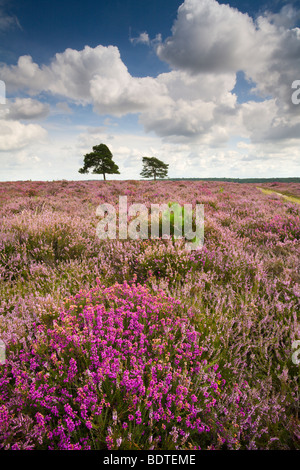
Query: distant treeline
point(242, 180)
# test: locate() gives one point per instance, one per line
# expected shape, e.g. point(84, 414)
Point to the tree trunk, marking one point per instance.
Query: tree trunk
point(104, 177)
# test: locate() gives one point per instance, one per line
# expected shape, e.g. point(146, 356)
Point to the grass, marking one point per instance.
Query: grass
point(288, 197)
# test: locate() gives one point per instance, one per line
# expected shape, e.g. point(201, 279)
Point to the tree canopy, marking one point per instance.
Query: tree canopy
point(100, 162)
point(153, 167)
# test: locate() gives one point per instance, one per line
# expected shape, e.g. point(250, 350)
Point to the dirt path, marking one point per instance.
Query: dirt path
point(288, 198)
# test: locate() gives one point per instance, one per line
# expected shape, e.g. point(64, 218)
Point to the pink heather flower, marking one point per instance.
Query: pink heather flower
point(40, 419)
point(119, 441)
point(70, 424)
point(15, 447)
point(109, 441)
point(106, 345)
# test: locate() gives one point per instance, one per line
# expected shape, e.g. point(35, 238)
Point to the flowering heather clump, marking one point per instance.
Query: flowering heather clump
point(122, 344)
point(119, 368)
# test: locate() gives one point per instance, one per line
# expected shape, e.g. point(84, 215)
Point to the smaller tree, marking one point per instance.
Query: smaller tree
point(100, 161)
point(153, 167)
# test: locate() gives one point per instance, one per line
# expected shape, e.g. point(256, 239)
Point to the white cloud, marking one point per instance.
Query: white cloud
point(209, 37)
point(194, 103)
point(92, 75)
point(143, 38)
point(26, 109)
point(26, 75)
point(212, 37)
point(265, 122)
point(123, 94)
point(15, 135)
point(69, 73)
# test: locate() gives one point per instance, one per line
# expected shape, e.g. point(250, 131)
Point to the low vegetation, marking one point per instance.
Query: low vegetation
point(121, 344)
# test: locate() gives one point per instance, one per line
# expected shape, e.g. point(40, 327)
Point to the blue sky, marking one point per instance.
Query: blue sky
point(201, 84)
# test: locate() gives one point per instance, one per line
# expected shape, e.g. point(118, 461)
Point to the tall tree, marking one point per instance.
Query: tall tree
point(100, 161)
point(153, 167)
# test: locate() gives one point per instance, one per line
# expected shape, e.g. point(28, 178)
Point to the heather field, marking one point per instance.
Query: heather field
point(140, 345)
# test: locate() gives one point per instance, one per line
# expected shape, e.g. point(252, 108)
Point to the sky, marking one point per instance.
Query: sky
point(204, 85)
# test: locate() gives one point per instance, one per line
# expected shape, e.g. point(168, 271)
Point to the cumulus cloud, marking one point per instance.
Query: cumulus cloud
point(195, 101)
point(277, 64)
point(26, 75)
point(15, 135)
point(265, 123)
point(125, 94)
point(212, 37)
point(196, 104)
point(69, 73)
point(209, 37)
point(92, 75)
point(26, 109)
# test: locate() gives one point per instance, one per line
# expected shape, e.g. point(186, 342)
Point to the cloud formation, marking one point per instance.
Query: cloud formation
point(172, 104)
point(15, 135)
point(195, 101)
point(143, 38)
point(95, 76)
point(212, 37)
point(27, 109)
point(194, 105)
point(209, 37)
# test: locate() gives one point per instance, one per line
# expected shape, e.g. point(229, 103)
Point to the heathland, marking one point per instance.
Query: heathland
point(122, 344)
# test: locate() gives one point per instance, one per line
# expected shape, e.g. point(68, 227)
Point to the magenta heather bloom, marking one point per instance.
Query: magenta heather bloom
point(122, 338)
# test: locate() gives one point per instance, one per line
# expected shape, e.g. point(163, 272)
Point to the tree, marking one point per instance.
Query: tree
point(100, 161)
point(154, 167)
